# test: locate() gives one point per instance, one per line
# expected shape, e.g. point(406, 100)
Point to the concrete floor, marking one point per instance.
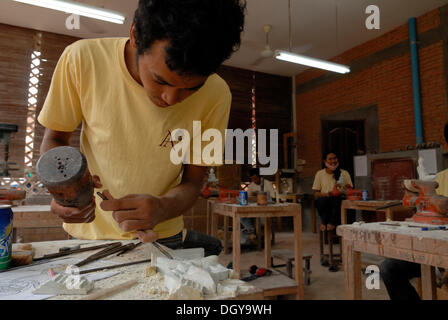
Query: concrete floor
point(325, 285)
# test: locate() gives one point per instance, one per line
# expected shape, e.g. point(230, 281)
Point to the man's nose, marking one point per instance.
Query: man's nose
point(170, 96)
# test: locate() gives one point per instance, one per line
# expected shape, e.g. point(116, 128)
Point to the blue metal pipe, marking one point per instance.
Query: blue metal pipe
point(416, 80)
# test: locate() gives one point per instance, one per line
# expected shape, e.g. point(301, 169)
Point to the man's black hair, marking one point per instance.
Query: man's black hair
point(202, 34)
point(445, 132)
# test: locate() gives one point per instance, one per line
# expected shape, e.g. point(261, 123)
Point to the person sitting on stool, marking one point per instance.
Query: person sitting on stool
point(327, 187)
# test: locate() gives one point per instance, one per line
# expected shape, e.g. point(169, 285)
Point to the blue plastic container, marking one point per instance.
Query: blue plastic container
point(6, 217)
point(243, 198)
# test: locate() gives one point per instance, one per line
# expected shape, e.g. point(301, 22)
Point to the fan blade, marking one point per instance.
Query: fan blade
point(258, 61)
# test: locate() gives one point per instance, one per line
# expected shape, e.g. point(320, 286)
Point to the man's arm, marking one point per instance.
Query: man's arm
point(181, 198)
point(142, 212)
point(53, 139)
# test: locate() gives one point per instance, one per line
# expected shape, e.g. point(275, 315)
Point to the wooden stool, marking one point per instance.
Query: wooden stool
point(330, 237)
point(288, 256)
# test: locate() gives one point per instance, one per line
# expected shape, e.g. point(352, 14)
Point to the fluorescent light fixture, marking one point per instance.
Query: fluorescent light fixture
point(73, 7)
point(311, 62)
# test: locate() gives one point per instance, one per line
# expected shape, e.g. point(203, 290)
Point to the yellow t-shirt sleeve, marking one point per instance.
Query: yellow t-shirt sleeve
point(317, 185)
point(62, 107)
point(214, 124)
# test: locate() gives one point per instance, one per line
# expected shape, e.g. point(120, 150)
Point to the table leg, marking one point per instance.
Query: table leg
point(226, 235)
point(313, 216)
point(258, 232)
point(279, 224)
point(429, 291)
point(267, 241)
point(389, 215)
point(208, 218)
point(236, 244)
point(214, 226)
point(352, 271)
point(343, 214)
point(298, 255)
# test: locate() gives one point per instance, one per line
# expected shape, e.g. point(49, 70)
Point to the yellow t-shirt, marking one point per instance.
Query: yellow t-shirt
point(442, 179)
point(324, 182)
point(122, 130)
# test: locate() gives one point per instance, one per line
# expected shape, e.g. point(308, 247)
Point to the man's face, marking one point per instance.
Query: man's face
point(163, 86)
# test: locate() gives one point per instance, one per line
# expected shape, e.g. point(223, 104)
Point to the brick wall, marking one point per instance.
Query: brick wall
point(16, 46)
point(382, 76)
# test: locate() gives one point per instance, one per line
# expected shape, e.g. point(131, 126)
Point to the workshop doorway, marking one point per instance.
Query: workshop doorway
point(345, 137)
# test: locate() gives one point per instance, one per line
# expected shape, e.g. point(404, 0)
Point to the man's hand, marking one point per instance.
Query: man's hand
point(137, 212)
point(75, 215)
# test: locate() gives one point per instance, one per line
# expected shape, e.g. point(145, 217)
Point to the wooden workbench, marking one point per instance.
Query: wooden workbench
point(142, 252)
point(236, 212)
point(369, 205)
point(428, 248)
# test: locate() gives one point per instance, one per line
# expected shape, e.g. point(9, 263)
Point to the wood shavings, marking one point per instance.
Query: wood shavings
point(150, 271)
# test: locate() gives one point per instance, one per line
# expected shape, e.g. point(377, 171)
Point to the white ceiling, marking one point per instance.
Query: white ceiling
point(314, 23)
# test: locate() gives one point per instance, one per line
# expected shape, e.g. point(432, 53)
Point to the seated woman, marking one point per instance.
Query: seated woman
point(329, 184)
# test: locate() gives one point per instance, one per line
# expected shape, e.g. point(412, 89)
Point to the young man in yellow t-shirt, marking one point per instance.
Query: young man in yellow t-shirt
point(130, 94)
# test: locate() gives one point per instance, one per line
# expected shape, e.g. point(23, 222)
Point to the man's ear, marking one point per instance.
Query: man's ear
point(133, 36)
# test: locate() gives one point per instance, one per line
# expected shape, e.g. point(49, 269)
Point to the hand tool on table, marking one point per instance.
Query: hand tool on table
point(256, 273)
point(115, 266)
point(65, 249)
point(163, 251)
point(390, 205)
point(130, 247)
point(433, 228)
point(107, 292)
point(114, 248)
point(431, 207)
point(69, 252)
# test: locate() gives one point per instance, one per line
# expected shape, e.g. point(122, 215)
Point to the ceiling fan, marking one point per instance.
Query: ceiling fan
point(268, 53)
point(294, 55)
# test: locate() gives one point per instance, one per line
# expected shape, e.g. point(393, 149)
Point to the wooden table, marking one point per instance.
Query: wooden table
point(236, 212)
point(296, 198)
point(370, 205)
point(428, 248)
